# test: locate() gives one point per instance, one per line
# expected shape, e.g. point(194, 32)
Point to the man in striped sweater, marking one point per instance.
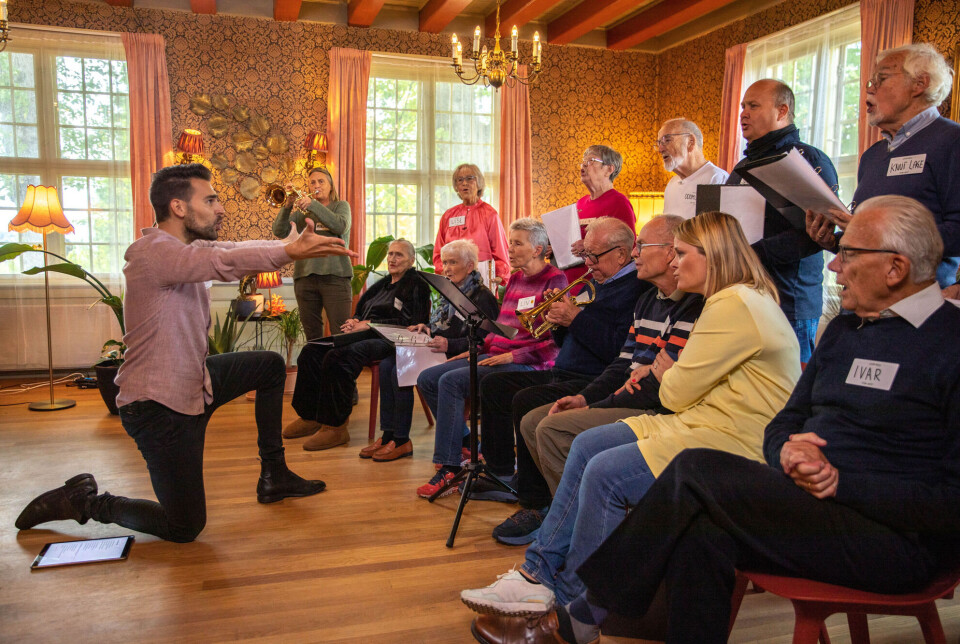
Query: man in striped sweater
point(663, 318)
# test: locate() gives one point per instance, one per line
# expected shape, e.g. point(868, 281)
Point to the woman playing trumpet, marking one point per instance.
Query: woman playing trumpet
point(323, 283)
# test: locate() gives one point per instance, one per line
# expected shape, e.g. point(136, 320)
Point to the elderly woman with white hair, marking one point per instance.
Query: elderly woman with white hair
point(447, 386)
point(448, 335)
point(919, 154)
point(598, 168)
point(473, 219)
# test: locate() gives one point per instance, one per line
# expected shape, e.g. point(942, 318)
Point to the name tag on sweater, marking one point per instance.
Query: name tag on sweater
point(873, 374)
point(458, 221)
point(525, 303)
point(906, 165)
point(397, 304)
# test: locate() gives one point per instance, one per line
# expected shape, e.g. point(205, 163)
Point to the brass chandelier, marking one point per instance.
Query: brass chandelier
point(498, 66)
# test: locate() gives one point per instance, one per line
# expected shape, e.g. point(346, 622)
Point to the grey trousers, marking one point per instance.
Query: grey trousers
point(319, 293)
point(549, 437)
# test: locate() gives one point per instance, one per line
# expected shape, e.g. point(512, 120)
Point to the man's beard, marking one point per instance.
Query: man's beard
point(195, 231)
point(671, 162)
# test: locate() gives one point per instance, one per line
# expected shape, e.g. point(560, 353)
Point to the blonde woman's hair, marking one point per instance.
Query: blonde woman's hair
point(730, 260)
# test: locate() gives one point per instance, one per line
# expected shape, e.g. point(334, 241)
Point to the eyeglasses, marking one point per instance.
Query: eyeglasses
point(468, 179)
point(843, 252)
point(588, 160)
point(642, 246)
point(594, 258)
point(875, 81)
point(664, 140)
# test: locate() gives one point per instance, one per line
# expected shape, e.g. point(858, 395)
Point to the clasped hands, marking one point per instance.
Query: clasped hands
point(354, 325)
point(802, 460)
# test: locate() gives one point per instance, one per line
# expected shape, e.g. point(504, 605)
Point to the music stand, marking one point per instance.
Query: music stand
point(474, 319)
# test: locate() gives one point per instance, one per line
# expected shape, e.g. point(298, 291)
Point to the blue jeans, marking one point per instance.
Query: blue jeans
point(604, 475)
point(806, 331)
point(396, 402)
point(447, 388)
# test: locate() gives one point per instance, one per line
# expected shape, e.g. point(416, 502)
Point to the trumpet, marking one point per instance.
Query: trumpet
point(277, 195)
point(535, 320)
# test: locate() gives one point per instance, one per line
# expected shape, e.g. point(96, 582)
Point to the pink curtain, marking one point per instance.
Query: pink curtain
point(516, 174)
point(729, 153)
point(884, 24)
point(347, 133)
point(151, 130)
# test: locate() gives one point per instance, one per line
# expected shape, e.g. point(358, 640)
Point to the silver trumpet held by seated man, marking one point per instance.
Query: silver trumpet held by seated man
point(535, 320)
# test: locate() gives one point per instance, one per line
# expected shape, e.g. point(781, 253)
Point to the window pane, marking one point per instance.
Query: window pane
point(74, 193)
point(386, 154)
point(407, 95)
point(386, 93)
point(407, 227)
point(81, 227)
point(98, 110)
point(5, 68)
point(406, 156)
point(72, 143)
point(121, 144)
point(96, 75)
point(27, 145)
point(386, 124)
point(386, 198)
point(25, 106)
point(6, 105)
point(99, 144)
point(22, 69)
point(6, 141)
point(407, 199)
point(69, 73)
point(70, 108)
point(119, 76)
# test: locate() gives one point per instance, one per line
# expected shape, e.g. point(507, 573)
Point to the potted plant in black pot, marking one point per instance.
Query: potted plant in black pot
point(112, 352)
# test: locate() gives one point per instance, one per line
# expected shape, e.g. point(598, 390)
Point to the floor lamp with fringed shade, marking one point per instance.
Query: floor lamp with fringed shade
point(41, 213)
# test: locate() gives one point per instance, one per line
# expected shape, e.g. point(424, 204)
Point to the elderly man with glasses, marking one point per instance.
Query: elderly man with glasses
point(919, 154)
point(589, 340)
point(862, 482)
point(549, 417)
point(598, 168)
point(680, 145)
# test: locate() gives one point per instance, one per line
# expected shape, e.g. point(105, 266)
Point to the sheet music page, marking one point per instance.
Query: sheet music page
point(794, 178)
point(399, 335)
point(72, 552)
point(748, 206)
point(563, 228)
point(414, 360)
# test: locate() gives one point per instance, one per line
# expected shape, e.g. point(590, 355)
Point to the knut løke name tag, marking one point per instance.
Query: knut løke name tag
point(872, 373)
point(906, 165)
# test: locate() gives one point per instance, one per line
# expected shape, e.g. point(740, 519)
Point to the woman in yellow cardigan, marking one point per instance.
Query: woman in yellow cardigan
point(736, 372)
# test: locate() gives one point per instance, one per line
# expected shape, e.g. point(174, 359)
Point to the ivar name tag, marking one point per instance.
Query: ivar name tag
point(872, 373)
point(906, 165)
point(458, 221)
point(526, 303)
point(397, 304)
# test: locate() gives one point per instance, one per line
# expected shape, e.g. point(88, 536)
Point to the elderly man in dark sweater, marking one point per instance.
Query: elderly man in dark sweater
point(919, 154)
point(862, 485)
point(589, 340)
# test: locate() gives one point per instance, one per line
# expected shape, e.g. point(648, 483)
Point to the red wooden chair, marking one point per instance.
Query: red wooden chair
point(375, 399)
point(814, 601)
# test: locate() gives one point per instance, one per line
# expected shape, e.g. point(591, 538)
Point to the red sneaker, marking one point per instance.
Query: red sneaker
point(439, 480)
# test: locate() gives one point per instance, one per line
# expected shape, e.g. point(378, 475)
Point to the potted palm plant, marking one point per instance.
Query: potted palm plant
point(289, 330)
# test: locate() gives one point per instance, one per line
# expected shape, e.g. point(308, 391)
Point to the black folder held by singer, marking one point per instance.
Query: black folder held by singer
point(791, 185)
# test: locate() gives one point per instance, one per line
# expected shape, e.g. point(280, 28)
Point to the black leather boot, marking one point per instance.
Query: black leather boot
point(72, 501)
point(277, 482)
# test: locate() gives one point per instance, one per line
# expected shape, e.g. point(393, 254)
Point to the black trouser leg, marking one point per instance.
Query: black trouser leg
point(496, 418)
point(338, 377)
point(309, 373)
point(532, 488)
point(709, 512)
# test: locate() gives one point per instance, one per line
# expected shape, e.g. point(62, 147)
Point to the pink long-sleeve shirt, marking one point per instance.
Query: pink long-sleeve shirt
point(479, 223)
point(166, 311)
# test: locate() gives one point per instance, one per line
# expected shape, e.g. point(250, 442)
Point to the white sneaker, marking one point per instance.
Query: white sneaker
point(512, 595)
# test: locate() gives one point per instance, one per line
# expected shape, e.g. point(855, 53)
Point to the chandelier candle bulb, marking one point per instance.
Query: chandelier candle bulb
point(3, 10)
point(476, 40)
point(453, 42)
point(536, 47)
point(513, 40)
point(459, 54)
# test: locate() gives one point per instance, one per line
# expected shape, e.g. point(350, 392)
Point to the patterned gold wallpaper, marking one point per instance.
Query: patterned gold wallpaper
point(280, 70)
point(691, 74)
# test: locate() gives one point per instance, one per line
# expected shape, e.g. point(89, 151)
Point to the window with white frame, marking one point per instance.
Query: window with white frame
point(422, 122)
point(820, 61)
point(64, 121)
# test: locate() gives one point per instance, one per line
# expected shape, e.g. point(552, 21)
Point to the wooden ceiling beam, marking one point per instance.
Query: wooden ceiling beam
point(286, 10)
point(437, 14)
point(203, 6)
point(658, 20)
point(587, 16)
point(361, 13)
point(516, 12)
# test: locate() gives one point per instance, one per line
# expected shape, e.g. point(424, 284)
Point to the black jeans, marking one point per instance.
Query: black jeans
point(396, 402)
point(172, 445)
point(327, 376)
point(505, 398)
point(711, 512)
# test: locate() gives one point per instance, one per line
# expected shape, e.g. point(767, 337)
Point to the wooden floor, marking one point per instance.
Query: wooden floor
point(364, 561)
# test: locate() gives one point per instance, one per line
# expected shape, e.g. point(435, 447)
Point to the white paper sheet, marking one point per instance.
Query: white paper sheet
point(73, 552)
point(794, 178)
point(414, 360)
point(748, 206)
point(563, 228)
